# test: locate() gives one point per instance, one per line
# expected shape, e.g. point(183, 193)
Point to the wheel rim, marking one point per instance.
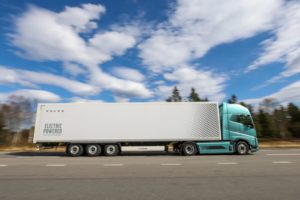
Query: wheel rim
point(93, 150)
point(190, 149)
point(74, 149)
point(242, 148)
point(111, 149)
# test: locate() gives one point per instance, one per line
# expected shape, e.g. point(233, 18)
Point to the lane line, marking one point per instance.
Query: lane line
point(227, 163)
point(23, 157)
point(170, 164)
point(282, 162)
point(113, 165)
point(294, 149)
point(3, 165)
point(283, 154)
point(55, 165)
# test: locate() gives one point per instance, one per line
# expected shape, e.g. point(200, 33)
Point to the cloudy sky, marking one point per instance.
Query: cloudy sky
point(134, 50)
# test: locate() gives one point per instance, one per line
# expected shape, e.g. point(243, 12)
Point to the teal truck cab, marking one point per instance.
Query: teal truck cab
point(238, 132)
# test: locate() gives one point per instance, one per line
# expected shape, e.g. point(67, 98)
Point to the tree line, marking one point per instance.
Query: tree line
point(271, 119)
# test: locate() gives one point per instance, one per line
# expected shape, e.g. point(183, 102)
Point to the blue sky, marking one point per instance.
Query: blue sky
point(65, 51)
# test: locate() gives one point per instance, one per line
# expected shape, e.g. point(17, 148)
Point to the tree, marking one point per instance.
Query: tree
point(294, 119)
point(233, 99)
point(18, 113)
point(175, 97)
point(281, 120)
point(265, 124)
point(194, 97)
point(2, 126)
point(269, 105)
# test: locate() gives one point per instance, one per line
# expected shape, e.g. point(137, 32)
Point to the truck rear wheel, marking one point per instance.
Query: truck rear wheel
point(93, 150)
point(189, 149)
point(75, 150)
point(111, 150)
point(242, 148)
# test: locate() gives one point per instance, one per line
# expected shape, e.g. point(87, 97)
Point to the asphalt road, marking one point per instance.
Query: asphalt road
point(268, 174)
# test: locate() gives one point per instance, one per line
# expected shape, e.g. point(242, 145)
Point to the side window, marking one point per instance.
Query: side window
point(246, 120)
point(235, 118)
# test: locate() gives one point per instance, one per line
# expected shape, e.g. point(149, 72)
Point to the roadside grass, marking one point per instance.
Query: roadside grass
point(278, 143)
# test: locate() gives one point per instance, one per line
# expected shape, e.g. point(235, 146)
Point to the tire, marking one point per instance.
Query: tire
point(189, 149)
point(242, 148)
point(111, 150)
point(93, 150)
point(75, 150)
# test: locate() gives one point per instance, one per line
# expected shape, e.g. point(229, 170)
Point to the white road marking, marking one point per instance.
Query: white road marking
point(170, 164)
point(3, 165)
point(113, 165)
point(143, 148)
point(23, 157)
point(283, 154)
point(55, 165)
point(282, 162)
point(227, 163)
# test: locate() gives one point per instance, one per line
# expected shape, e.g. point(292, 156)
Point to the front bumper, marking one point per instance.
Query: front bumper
point(254, 148)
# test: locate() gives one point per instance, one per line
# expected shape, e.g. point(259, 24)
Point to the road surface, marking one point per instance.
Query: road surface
point(269, 174)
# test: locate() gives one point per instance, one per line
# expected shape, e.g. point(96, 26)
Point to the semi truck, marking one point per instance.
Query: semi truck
point(188, 128)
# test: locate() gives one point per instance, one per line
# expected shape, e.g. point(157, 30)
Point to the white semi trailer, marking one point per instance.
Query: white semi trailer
point(106, 128)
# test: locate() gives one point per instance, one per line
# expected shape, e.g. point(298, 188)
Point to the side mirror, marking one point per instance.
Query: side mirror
point(249, 125)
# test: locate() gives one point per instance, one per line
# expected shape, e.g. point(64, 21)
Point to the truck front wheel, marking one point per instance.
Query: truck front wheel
point(93, 149)
point(189, 149)
point(74, 150)
point(242, 148)
point(111, 150)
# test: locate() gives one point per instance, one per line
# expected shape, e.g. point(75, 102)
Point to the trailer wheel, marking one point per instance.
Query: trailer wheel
point(75, 150)
point(111, 150)
point(93, 150)
point(189, 149)
point(242, 148)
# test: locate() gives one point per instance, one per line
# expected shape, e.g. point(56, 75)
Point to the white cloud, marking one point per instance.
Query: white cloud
point(284, 47)
point(285, 95)
point(121, 99)
point(39, 95)
point(128, 74)
point(207, 83)
point(29, 78)
point(83, 100)
point(74, 69)
point(165, 52)
point(80, 17)
point(9, 76)
point(41, 34)
point(194, 27)
point(121, 88)
point(112, 43)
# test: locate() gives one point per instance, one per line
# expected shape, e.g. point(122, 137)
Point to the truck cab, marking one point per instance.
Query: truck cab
point(237, 125)
point(238, 132)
